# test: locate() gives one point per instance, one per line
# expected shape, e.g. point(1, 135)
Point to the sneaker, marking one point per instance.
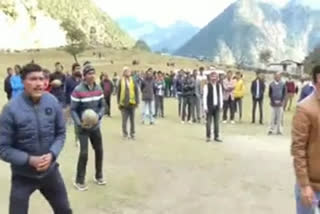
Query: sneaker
point(99, 181)
point(182, 122)
point(233, 122)
point(190, 122)
point(224, 122)
point(279, 133)
point(125, 137)
point(80, 187)
point(270, 133)
point(208, 140)
point(151, 123)
point(218, 140)
point(132, 137)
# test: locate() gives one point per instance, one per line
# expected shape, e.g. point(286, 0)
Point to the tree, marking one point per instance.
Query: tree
point(76, 39)
point(312, 60)
point(265, 57)
point(142, 45)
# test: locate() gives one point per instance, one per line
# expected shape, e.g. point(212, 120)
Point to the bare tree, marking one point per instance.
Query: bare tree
point(265, 57)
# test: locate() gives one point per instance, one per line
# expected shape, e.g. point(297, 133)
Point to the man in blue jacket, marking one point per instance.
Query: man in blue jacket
point(32, 135)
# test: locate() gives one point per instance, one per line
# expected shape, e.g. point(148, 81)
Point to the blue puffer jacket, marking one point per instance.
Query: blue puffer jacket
point(31, 130)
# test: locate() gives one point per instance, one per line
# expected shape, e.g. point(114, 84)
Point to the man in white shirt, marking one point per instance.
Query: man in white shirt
point(213, 103)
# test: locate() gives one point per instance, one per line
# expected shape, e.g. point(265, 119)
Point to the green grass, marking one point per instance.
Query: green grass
point(166, 160)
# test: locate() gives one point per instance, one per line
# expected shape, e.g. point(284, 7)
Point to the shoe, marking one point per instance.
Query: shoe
point(261, 123)
point(208, 140)
point(233, 122)
point(182, 122)
point(80, 187)
point(224, 122)
point(132, 137)
point(99, 181)
point(253, 122)
point(151, 123)
point(218, 140)
point(279, 133)
point(190, 122)
point(125, 137)
point(270, 133)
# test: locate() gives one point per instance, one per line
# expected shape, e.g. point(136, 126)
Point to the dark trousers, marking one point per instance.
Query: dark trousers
point(213, 116)
point(238, 107)
point(51, 187)
point(128, 113)
point(255, 102)
point(108, 104)
point(188, 104)
point(159, 106)
point(96, 142)
point(180, 101)
point(228, 105)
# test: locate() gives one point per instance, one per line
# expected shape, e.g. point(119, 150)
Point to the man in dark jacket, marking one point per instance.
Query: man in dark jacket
point(7, 84)
point(58, 90)
point(257, 91)
point(88, 95)
point(212, 104)
point(178, 87)
point(148, 96)
point(32, 135)
point(107, 87)
point(188, 93)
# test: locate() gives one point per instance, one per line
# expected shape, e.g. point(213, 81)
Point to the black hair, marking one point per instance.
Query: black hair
point(8, 69)
point(75, 65)
point(315, 73)
point(201, 69)
point(30, 68)
point(86, 63)
point(57, 63)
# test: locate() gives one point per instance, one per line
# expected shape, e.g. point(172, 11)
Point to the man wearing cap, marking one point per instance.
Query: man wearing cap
point(212, 104)
point(88, 95)
point(128, 101)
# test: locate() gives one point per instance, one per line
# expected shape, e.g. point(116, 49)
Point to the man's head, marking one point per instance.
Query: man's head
point(277, 76)
point(229, 75)
point(106, 76)
point(9, 71)
point(238, 75)
point(316, 76)
point(213, 76)
point(126, 72)
point(201, 70)
point(89, 74)
point(17, 69)
point(33, 80)
point(58, 67)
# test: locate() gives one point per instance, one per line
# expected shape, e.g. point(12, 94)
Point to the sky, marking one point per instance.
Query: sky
point(166, 12)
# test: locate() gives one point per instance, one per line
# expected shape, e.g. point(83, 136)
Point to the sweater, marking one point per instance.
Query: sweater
point(239, 89)
point(277, 93)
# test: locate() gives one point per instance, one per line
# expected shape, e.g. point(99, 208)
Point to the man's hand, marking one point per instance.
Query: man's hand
point(307, 196)
point(35, 161)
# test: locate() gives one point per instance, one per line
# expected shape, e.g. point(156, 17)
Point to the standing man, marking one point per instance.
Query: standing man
point(198, 104)
point(213, 103)
point(178, 87)
point(257, 91)
point(160, 87)
point(7, 84)
point(31, 140)
point(58, 90)
point(291, 91)
point(88, 95)
point(305, 149)
point(228, 97)
point(148, 95)
point(115, 80)
point(71, 83)
point(188, 93)
point(239, 91)
point(107, 87)
point(128, 101)
point(277, 95)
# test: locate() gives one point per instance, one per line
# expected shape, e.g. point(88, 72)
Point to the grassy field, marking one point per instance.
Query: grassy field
point(170, 169)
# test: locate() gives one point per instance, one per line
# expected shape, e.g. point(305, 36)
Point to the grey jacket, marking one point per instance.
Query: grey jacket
point(148, 89)
point(27, 129)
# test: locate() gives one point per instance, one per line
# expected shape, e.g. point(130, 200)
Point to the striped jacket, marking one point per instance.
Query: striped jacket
point(83, 98)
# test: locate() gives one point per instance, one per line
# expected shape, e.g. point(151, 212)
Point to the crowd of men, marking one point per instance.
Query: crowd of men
point(32, 141)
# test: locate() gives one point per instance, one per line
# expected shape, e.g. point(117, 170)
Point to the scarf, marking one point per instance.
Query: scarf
point(127, 93)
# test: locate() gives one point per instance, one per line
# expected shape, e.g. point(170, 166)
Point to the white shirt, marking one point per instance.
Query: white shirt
point(258, 89)
point(215, 96)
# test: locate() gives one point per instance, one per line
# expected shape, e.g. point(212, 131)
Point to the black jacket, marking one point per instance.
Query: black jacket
point(7, 86)
point(262, 88)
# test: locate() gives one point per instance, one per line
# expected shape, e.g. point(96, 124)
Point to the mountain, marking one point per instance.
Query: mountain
point(159, 38)
point(248, 27)
point(30, 24)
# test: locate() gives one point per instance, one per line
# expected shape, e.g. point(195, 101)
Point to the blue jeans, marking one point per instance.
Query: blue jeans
point(301, 209)
point(148, 111)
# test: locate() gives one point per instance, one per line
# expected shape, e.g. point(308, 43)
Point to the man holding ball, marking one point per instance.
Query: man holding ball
point(87, 109)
